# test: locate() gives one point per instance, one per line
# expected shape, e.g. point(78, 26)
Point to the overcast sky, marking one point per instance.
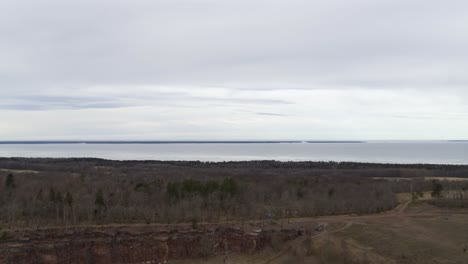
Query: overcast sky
point(233, 70)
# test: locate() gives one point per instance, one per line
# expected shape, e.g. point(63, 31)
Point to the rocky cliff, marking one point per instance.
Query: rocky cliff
point(134, 245)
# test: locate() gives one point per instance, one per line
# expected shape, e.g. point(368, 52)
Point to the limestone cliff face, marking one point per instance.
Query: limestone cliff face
point(134, 245)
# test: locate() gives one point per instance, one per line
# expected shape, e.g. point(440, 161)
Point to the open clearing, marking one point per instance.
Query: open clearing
point(19, 171)
point(412, 233)
point(445, 179)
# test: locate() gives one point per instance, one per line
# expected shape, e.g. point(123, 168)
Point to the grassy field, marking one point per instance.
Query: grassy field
point(422, 234)
point(438, 239)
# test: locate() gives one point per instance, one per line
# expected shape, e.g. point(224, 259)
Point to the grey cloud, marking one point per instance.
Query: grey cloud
point(58, 102)
point(243, 101)
point(40, 102)
point(270, 114)
point(331, 65)
point(417, 117)
point(240, 44)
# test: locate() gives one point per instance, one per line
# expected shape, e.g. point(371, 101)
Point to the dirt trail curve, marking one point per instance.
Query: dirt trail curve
point(403, 207)
point(398, 211)
point(299, 241)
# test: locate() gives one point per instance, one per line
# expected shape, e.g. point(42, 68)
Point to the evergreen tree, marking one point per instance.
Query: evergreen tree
point(69, 199)
point(51, 195)
point(436, 189)
point(10, 182)
point(100, 203)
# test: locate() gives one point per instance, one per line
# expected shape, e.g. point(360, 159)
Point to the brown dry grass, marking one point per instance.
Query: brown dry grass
point(434, 236)
point(437, 239)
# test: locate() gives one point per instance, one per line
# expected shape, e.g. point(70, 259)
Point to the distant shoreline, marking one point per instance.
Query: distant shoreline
point(36, 142)
point(434, 152)
point(178, 142)
point(326, 164)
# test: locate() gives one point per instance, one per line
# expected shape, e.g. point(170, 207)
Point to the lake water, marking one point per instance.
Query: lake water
point(387, 152)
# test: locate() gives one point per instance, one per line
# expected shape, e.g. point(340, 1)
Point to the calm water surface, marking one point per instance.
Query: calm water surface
point(394, 152)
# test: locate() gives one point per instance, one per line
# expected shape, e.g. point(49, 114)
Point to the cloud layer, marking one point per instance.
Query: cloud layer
point(205, 69)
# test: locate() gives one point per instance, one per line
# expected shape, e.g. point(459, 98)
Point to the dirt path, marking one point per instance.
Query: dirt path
point(398, 211)
point(403, 207)
point(299, 241)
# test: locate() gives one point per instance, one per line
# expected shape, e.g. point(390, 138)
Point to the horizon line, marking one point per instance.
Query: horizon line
point(208, 141)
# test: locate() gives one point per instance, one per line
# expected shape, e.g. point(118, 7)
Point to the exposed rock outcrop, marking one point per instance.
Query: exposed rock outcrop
point(134, 245)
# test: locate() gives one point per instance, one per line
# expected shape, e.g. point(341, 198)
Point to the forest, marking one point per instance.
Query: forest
point(38, 193)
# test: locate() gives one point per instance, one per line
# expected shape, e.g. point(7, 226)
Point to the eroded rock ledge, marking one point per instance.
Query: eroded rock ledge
point(135, 244)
